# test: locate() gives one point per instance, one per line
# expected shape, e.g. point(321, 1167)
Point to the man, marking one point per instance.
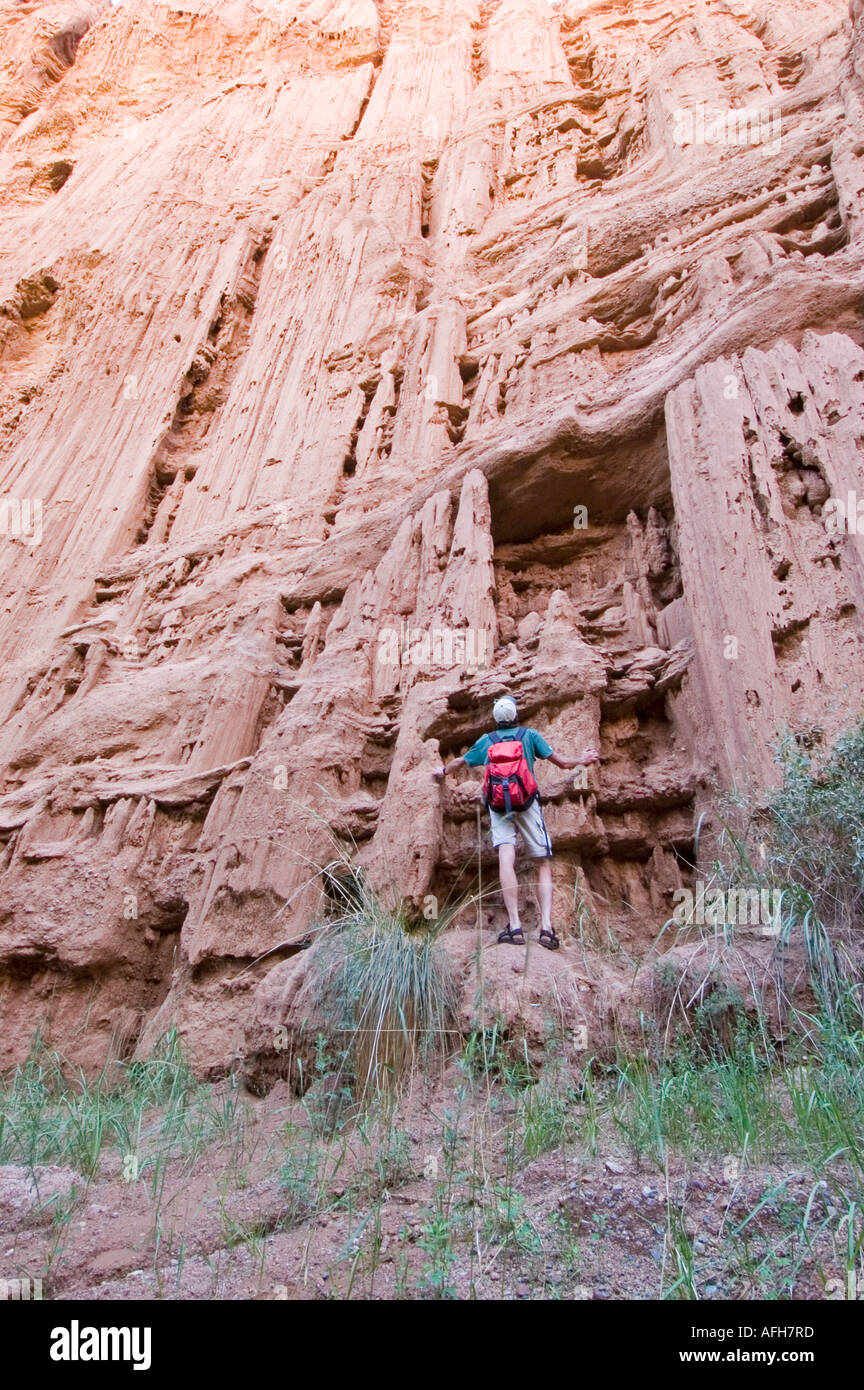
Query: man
point(510, 793)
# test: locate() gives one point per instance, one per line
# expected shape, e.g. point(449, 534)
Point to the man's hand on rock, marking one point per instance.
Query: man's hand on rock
point(589, 756)
point(445, 771)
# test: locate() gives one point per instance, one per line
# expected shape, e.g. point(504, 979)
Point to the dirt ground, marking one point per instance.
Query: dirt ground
point(432, 1204)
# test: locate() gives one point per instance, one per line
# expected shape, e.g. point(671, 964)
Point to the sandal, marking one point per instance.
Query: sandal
point(549, 940)
point(511, 936)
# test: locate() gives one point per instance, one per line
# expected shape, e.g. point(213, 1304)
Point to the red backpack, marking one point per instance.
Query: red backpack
point(509, 784)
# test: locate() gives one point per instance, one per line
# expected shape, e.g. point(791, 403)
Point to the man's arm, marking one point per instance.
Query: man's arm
point(445, 771)
point(589, 756)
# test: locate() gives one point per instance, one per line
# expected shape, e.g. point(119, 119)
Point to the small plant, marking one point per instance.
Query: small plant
point(567, 1239)
point(301, 1177)
point(328, 1099)
point(436, 1242)
point(507, 1221)
point(490, 1055)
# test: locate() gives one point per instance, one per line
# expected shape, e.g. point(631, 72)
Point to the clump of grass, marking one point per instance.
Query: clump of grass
point(51, 1112)
point(692, 1105)
point(547, 1115)
point(383, 989)
point(679, 1249)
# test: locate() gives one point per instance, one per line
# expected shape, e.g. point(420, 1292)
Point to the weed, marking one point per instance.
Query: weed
point(436, 1242)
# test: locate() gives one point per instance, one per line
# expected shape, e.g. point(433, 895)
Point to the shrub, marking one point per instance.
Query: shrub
point(807, 841)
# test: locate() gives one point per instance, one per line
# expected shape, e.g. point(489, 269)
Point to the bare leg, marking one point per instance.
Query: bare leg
point(509, 883)
point(544, 892)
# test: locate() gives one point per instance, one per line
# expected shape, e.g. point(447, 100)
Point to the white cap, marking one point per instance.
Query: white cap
point(504, 711)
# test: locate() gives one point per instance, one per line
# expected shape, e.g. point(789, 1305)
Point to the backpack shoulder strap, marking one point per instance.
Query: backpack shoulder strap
point(519, 737)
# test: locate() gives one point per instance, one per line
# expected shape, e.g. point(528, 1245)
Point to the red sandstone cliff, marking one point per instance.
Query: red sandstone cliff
point(321, 321)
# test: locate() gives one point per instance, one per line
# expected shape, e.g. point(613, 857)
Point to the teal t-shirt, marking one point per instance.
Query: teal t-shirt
point(534, 744)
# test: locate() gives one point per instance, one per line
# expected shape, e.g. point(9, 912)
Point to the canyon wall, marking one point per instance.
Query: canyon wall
point(358, 362)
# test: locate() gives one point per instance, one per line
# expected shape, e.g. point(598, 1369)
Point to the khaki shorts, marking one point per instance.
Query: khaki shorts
point(531, 827)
